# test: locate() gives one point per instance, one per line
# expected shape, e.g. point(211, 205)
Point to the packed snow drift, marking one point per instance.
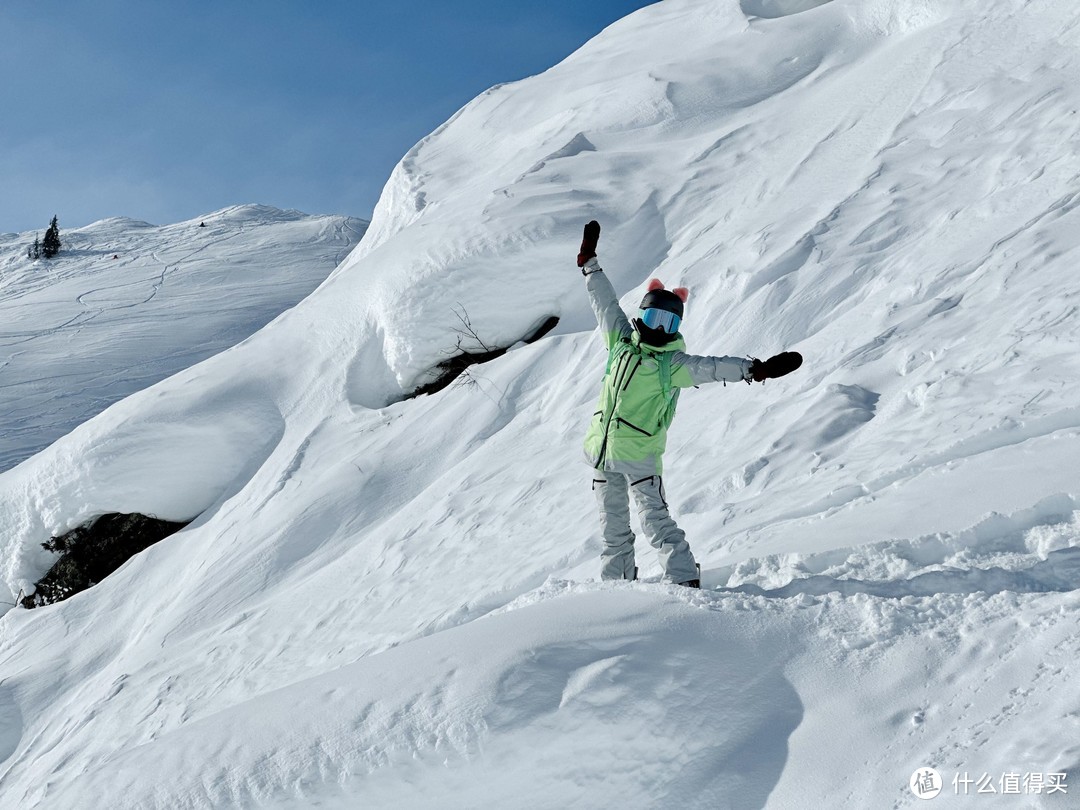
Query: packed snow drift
point(393, 601)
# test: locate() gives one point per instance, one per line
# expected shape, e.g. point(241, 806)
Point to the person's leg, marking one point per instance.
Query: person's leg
point(617, 558)
point(662, 531)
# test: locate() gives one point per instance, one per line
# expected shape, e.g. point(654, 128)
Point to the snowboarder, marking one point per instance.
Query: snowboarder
point(647, 366)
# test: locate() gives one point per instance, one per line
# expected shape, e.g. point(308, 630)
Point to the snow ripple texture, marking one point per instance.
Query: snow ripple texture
point(392, 602)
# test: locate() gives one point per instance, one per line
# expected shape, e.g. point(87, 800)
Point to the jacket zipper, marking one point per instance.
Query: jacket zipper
point(626, 384)
point(624, 361)
point(607, 424)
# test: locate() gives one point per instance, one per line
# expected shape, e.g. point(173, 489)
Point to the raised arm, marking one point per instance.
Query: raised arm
point(605, 303)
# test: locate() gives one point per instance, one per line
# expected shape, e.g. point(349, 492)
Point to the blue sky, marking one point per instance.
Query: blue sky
point(164, 111)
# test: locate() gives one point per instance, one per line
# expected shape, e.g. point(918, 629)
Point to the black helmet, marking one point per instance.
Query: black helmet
point(661, 314)
point(663, 299)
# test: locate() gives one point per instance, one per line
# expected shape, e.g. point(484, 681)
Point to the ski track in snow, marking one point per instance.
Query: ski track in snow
point(391, 602)
point(111, 360)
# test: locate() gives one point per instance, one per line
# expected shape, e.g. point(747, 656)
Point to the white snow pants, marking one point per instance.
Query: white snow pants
point(613, 491)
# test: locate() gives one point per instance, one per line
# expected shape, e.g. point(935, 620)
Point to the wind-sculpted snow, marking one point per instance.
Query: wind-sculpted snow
point(394, 717)
point(388, 600)
point(595, 694)
point(778, 8)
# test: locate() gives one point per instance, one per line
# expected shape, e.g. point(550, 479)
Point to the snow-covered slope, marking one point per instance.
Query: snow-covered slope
point(386, 601)
point(126, 304)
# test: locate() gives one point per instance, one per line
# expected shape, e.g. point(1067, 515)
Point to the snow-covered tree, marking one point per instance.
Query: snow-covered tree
point(50, 246)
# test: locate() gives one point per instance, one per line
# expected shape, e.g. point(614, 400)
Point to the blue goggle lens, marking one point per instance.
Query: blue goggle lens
point(661, 319)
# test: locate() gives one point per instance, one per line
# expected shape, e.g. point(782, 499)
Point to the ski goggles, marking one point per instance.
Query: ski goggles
point(661, 319)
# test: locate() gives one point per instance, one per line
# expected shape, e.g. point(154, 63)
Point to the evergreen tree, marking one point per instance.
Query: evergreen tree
point(51, 244)
point(35, 251)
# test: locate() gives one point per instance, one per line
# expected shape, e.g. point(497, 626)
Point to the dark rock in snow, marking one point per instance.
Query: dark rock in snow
point(94, 550)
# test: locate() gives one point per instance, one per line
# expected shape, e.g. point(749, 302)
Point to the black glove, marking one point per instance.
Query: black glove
point(776, 366)
point(588, 243)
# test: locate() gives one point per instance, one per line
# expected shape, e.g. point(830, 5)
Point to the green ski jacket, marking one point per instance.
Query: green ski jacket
point(628, 432)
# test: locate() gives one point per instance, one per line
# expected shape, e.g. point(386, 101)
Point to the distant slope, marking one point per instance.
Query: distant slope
point(386, 601)
point(127, 304)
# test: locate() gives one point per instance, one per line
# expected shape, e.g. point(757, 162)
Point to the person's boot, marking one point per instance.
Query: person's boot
point(693, 583)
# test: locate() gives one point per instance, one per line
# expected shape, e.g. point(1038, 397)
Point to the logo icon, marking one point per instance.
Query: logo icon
point(925, 783)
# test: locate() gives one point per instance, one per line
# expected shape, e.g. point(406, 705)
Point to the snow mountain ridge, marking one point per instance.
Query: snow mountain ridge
point(387, 600)
point(127, 304)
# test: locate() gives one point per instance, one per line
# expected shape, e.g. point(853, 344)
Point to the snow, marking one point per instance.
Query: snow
point(127, 304)
point(393, 601)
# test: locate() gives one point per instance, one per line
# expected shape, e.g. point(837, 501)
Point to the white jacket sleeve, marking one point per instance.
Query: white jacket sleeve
point(605, 304)
point(705, 369)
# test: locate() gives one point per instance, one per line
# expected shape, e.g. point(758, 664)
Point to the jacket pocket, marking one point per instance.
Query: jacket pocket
point(622, 421)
